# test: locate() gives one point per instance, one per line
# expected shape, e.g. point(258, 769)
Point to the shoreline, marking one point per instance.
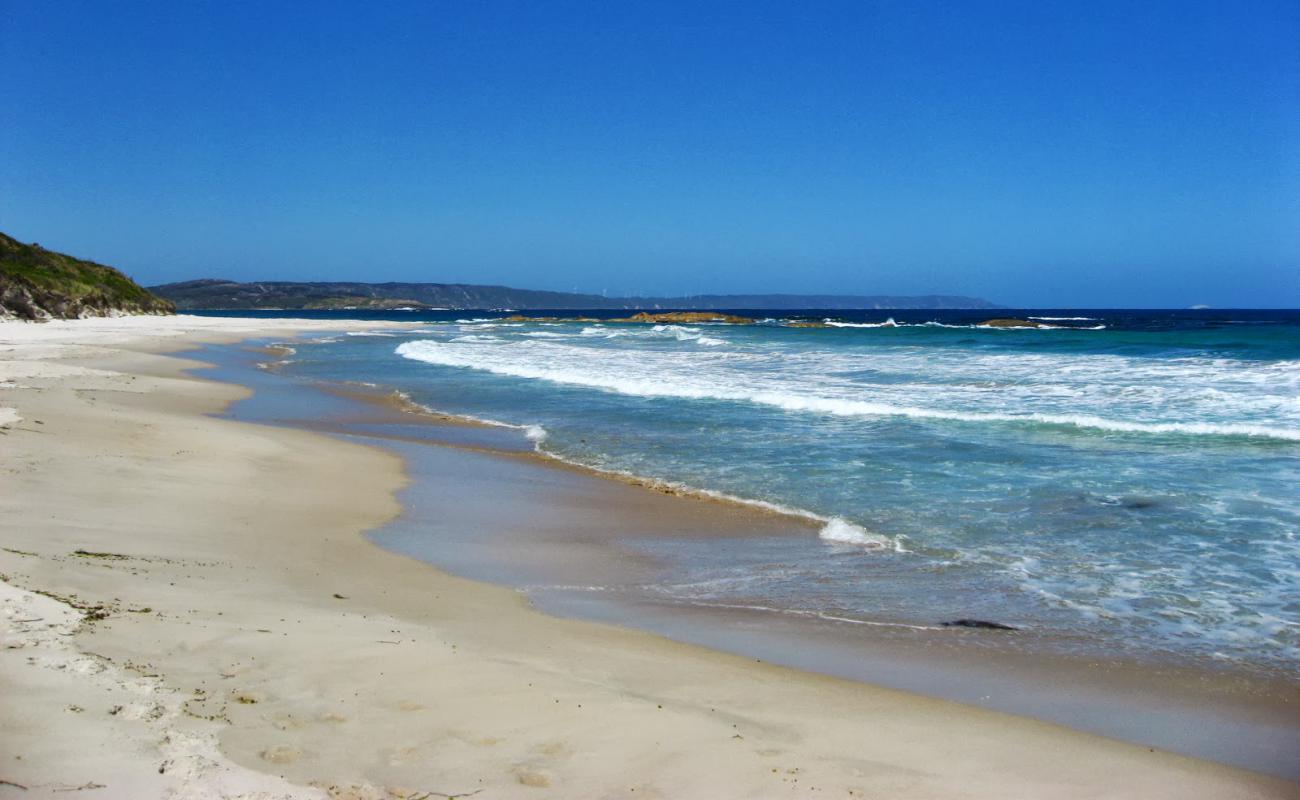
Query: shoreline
point(399, 399)
point(389, 677)
point(1204, 710)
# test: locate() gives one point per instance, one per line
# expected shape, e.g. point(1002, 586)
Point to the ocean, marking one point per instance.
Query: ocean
point(1127, 478)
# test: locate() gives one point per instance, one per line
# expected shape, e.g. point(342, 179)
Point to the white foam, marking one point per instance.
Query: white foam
point(603, 332)
point(680, 488)
point(804, 612)
point(1039, 327)
point(841, 531)
point(636, 373)
point(889, 323)
point(533, 433)
point(683, 334)
point(266, 365)
point(836, 525)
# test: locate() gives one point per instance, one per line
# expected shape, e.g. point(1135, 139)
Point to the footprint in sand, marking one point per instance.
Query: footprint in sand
point(280, 755)
point(469, 737)
point(552, 748)
point(287, 722)
point(401, 755)
point(532, 777)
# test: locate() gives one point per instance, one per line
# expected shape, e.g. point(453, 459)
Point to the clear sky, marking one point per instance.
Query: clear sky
point(1034, 153)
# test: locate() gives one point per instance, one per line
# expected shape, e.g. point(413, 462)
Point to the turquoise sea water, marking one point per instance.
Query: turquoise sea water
point(1130, 477)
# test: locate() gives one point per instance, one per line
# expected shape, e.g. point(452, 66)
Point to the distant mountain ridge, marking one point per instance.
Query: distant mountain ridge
point(38, 284)
point(211, 294)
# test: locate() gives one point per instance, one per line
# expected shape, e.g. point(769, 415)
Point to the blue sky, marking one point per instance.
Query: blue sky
point(1034, 153)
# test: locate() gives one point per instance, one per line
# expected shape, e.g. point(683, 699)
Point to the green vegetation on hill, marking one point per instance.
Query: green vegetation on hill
point(40, 284)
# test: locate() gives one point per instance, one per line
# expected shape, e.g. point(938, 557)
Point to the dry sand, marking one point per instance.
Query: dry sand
point(190, 610)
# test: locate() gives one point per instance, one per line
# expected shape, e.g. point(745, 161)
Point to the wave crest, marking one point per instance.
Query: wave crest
point(841, 531)
point(600, 376)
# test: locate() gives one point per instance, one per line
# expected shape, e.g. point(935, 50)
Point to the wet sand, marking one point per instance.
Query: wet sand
point(192, 608)
point(552, 538)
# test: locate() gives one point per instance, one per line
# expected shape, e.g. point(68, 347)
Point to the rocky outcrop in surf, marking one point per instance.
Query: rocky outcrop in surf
point(687, 317)
point(978, 623)
point(1012, 323)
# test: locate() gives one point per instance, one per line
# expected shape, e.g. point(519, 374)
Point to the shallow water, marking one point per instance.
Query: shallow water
point(1128, 477)
point(486, 507)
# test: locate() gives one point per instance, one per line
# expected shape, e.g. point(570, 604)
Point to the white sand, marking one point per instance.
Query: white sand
point(253, 644)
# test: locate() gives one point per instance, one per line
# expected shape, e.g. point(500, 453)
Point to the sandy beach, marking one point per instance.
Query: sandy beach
point(190, 609)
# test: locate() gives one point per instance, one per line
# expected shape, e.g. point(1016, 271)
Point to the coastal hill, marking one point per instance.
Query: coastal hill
point(40, 284)
point(229, 295)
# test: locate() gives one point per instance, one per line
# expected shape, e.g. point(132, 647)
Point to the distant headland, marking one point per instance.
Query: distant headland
point(40, 284)
point(283, 295)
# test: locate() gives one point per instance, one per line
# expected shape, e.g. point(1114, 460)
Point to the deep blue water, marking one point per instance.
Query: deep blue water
point(1127, 475)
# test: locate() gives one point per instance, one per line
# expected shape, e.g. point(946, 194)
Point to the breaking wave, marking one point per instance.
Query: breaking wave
point(841, 531)
point(649, 383)
point(891, 323)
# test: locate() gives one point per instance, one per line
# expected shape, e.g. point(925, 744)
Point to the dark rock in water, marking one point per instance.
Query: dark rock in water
point(687, 317)
point(1140, 502)
point(978, 623)
point(1012, 323)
